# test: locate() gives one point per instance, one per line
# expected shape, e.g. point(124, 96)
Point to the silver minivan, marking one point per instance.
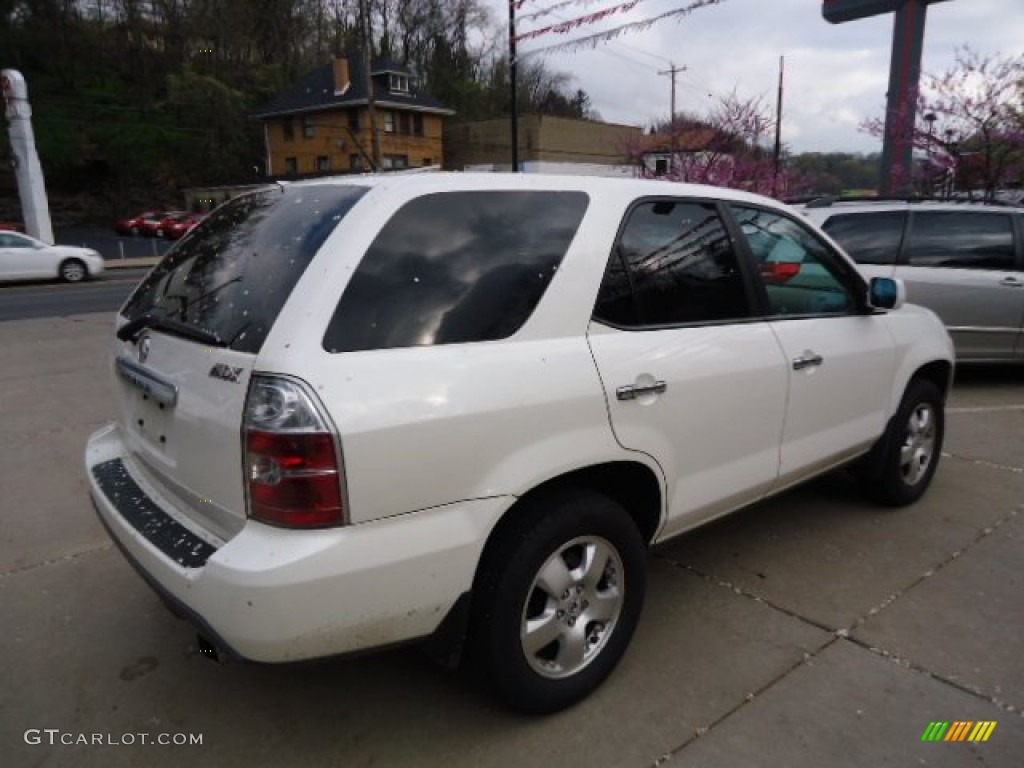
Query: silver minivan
point(965, 261)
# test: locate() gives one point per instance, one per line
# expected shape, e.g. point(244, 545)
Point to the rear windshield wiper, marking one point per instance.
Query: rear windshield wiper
point(130, 331)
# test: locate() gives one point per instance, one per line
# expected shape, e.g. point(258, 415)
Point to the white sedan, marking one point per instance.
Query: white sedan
point(25, 258)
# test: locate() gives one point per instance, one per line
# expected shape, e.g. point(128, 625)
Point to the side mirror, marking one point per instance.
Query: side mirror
point(886, 293)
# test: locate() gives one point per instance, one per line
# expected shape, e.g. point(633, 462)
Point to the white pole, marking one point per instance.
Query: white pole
point(31, 186)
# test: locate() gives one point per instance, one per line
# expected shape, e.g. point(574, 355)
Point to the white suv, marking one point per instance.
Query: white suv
point(361, 411)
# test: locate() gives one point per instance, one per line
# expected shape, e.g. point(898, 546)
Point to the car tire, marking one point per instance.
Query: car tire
point(558, 598)
point(900, 466)
point(73, 271)
point(134, 231)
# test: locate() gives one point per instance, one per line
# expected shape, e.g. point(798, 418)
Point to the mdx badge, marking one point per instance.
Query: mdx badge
point(225, 372)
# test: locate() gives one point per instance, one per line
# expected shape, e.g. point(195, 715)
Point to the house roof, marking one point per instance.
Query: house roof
point(687, 140)
point(315, 91)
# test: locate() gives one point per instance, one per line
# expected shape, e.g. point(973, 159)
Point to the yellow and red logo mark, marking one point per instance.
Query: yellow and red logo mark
point(959, 730)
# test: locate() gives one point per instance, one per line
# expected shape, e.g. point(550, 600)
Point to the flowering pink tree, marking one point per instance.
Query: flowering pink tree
point(729, 147)
point(970, 126)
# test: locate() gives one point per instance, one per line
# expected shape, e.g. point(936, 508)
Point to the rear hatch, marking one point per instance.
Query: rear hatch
point(189, 336)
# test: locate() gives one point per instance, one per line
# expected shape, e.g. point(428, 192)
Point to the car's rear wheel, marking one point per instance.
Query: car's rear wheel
point(901, 465)
point(558, 599)
point(73, 271)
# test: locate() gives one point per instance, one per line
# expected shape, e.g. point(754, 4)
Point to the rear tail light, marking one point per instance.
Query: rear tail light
point(293, 463)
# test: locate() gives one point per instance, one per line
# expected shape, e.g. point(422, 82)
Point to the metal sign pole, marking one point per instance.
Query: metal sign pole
point(35, 209)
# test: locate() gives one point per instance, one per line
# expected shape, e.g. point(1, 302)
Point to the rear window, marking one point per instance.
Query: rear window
point(965, 240)
point(870, 238)
point(456, 267)
point(231, 274)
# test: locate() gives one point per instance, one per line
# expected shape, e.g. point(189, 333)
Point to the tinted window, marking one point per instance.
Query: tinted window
point(870, 238)
point(801, 274)
point(674, 263)
point(232, 274)
point(954, 239)
point(456, 267)
point(15, 241)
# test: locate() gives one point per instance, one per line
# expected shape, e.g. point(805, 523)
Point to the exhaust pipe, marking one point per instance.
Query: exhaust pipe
point(210, 651)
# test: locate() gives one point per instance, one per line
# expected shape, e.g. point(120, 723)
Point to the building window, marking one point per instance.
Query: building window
point(291, 166)
point(394, 162)
point(353, 120)
point(355, 162)
point(323, 163)
point(389, 122)
point(660, 166)
point(308, 128)
point(399, 83)
point(417, 124)
point(289, 129)
point(403, 123)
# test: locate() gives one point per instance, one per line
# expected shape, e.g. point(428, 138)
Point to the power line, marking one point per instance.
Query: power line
point(592, 40)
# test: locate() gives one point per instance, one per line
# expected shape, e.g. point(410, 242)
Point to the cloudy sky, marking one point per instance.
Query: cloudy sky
point(836, 75)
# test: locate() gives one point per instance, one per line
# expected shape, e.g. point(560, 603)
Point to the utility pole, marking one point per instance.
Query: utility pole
point(368, 84)
point(672, 71)
point(512, 78)
point(778, 128)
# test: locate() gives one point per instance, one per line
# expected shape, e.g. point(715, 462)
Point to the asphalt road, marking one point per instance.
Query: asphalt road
point(29, 300)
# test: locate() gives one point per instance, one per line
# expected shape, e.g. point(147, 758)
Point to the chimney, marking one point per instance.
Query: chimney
point(341, 75)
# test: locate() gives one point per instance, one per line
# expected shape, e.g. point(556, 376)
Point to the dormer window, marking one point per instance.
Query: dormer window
point(399, 83)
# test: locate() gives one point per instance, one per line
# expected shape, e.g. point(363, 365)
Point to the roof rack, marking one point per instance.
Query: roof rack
point(826, 201)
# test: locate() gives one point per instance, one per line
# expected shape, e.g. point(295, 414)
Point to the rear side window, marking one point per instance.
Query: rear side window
point(674, 264)
point(870, 238)
point(963, 240)
point(456, 267)
point(231, 275)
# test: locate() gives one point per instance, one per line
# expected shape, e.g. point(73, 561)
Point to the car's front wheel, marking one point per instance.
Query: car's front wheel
point(73, 271)
point(900, 467)
point(558, 599)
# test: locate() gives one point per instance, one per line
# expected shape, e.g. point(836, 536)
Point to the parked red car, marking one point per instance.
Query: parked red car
point(151, 227)
point(177, 226)
point(143, 224)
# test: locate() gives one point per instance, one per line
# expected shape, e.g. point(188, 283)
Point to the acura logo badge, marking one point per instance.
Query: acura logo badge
point(144, 342)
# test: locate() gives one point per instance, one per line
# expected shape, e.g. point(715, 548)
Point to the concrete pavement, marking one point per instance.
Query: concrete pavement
point(812, 630)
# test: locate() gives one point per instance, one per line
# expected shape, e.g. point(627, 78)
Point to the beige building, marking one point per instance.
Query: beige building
point(542, 139)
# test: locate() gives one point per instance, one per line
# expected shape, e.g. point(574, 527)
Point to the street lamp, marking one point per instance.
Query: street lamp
point(953, 150)
point(930, 118)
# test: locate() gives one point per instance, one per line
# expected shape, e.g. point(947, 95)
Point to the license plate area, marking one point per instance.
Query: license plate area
point(152, 422)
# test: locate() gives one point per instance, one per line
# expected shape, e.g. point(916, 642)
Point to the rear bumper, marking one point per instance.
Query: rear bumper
point(276, 595)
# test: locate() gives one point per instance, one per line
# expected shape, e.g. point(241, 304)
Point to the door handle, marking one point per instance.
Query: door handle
point(1011, 282)
point(807, 360)
point(632, 392)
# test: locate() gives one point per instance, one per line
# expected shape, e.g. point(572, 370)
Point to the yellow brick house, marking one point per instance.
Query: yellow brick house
point(320, 124)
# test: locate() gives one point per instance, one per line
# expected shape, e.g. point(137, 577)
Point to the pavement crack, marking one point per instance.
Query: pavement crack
point(962, 687)
point(54, 561)
point(982, 535)
point(983, 463)
point(736, 589)
point(748, 699)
